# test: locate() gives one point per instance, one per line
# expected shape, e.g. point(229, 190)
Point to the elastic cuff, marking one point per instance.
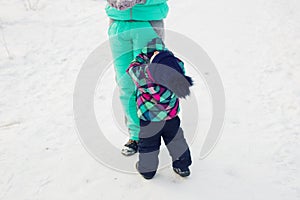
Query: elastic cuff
point(134, 138)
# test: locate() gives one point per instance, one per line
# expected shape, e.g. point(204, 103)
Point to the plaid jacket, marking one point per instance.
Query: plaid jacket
point(154, 102)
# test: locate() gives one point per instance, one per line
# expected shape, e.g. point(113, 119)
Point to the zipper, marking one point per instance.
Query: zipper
point(130, 13)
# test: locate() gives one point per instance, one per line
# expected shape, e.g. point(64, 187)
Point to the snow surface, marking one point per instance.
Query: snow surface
point(255, 46)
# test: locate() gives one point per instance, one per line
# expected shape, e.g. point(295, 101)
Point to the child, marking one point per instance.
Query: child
point(160, 80)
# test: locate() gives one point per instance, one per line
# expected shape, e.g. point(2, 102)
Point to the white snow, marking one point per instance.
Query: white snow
point(255, 46)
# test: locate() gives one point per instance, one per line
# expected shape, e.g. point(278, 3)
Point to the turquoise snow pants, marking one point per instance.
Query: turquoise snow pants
point(127, 38)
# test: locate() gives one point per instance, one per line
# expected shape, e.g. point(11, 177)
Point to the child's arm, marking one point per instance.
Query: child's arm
point(138, 70)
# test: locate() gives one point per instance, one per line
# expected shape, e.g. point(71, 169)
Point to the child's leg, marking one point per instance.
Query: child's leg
point(148, 148)
point(176, 144)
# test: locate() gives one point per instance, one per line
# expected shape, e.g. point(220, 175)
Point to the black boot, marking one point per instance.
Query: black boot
point(182, 172)
point(130, 148)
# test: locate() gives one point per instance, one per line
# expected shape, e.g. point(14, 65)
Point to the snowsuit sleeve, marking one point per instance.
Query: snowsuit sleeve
point(153, 2)
point(138, 71)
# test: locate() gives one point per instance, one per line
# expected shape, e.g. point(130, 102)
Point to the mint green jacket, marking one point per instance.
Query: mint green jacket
point(151, 10)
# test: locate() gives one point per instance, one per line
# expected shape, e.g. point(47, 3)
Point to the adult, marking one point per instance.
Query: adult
point(133, 23)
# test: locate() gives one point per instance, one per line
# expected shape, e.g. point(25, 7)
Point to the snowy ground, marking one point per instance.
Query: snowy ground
point(255, 46)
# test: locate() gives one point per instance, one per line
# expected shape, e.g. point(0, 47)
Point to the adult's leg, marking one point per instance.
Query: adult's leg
point(122, 50)
point(159, 27)
point(142, 33)
point(127, 39)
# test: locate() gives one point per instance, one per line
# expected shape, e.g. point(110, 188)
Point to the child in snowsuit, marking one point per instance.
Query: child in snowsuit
point(161, 81)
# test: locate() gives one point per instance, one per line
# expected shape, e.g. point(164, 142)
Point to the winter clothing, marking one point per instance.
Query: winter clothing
point(158, 26)
point(150, 141)
point(124, 4)
point(127, 39)
point(158, 108)
point(130, 148)
point(167, 70)
point(146, 175)
point(182, 172)
point(150, 10)
point(155, 102)
point(129, 32)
